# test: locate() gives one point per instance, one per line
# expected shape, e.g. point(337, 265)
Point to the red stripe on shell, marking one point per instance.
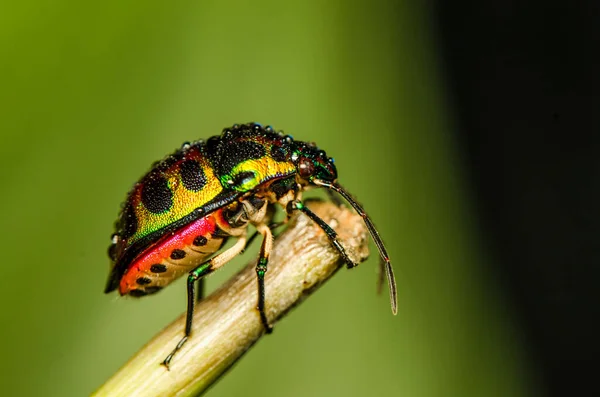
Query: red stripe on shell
point(161, 250)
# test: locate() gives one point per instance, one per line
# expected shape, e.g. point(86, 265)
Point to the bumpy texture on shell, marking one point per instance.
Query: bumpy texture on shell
point(194, 181)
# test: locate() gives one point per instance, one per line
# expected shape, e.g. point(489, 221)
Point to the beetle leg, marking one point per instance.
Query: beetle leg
point(200, 290)
point(297, 205)
point(202, 270)
point(261, 269)
point(272, 226)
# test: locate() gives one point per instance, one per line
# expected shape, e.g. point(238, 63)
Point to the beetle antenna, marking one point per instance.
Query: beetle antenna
point(380, 275)
point(385, 259)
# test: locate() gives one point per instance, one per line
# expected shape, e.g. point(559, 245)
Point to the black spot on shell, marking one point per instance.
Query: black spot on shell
point(236, 153)
point(136, 293)
point(158, 268)
point(200, 241)
point(278, 153)
point(152, 290)
point(112, 252)
point(143, 281)
point(192, 175)
point(156, 195)
point(177, 254)
point(129, 222)
point(212, 147)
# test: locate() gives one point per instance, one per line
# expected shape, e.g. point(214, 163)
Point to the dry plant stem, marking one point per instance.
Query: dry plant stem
point(227, 324)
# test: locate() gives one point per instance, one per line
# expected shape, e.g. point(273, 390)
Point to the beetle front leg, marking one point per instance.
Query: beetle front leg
point(297, 205)
point(196, 274)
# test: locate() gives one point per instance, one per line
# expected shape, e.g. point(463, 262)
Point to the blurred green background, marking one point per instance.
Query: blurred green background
point(92, 93)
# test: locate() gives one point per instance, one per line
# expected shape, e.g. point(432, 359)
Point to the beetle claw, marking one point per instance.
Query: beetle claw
point(166, 365)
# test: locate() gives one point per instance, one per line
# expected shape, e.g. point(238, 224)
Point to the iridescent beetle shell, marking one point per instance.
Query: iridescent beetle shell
point(193, 182)
point(176, 191)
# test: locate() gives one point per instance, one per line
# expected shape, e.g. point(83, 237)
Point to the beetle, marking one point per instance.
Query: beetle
point(178, 216)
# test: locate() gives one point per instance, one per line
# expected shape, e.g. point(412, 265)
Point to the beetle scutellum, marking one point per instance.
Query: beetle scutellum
point(178, 216)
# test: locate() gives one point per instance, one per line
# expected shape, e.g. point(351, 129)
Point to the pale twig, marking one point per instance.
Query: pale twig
point(227, 324)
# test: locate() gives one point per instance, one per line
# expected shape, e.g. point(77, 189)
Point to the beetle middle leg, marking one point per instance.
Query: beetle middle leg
point(261, 270)
point(200, 290)
point(272, 226)
point(200, 271)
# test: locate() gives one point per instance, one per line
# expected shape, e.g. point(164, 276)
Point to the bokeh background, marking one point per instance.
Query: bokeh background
point(92, 93)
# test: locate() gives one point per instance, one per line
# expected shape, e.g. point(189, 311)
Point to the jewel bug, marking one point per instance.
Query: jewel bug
point(176, 219)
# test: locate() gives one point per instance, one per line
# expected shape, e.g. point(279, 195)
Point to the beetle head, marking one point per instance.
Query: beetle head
point(312, 163)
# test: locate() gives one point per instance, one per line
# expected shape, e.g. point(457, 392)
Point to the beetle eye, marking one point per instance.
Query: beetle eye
point(306, 168)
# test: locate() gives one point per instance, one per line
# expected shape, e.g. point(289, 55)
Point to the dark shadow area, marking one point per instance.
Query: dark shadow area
point(524, 86)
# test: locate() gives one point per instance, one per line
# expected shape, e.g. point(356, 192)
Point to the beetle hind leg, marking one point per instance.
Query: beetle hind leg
point(200, 271)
